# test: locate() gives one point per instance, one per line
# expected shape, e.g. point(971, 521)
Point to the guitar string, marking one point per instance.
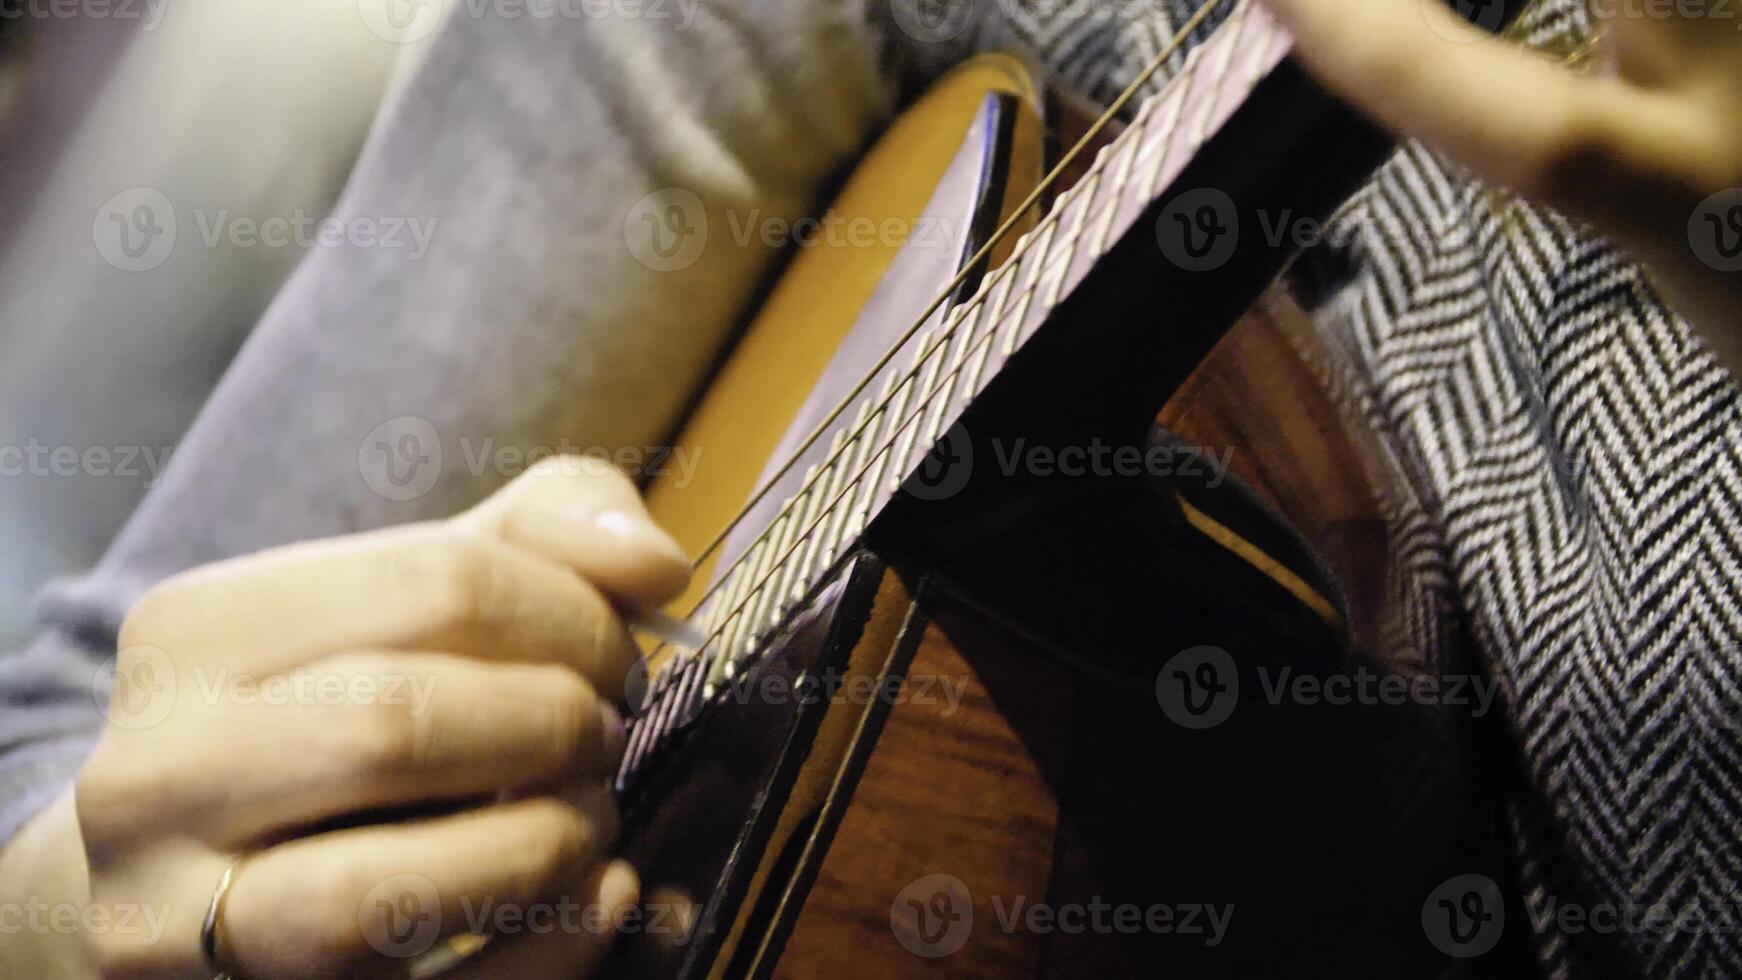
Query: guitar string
point(802, 539)
point(667, 701)
point(1011, 267)
point(1008, 268)
point(998, 236)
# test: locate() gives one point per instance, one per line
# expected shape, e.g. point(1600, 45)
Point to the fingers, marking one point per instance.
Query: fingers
point(404, 730)
point(580, 512)
point(1418, 68)
point(428, 587)
point(1632, 159)
point(368, 902)
point(1510, 115)
point(572, 946)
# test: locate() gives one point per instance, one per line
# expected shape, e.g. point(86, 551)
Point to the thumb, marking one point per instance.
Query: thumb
point(580, 512)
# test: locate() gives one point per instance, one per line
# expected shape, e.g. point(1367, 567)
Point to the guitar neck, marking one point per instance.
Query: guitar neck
point(1130, 174)
point(1097, 315)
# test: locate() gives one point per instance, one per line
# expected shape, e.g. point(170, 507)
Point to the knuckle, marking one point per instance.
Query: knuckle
point(123, 788)
point(573, 705)
point(561, 836)
point(100, 797)
point(385, 738)
point(451, 578)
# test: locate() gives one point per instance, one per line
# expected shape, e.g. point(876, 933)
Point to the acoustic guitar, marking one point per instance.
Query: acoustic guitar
point(983, 621)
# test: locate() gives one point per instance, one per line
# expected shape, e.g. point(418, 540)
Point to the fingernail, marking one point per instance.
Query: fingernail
point(611, 729)
point(619, 887)
point(667, 628)
point(637, 530)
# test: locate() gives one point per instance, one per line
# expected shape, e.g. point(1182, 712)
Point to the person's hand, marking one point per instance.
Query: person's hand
point(405, 735)
point(1647, 148)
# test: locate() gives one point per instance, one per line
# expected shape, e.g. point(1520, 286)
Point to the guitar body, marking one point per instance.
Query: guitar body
point(1015, 730)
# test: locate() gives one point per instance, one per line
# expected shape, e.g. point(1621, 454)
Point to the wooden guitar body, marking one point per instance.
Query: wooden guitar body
point(1018, 726)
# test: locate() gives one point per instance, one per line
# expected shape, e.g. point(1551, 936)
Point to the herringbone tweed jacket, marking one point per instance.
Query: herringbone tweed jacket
point(1567, 516)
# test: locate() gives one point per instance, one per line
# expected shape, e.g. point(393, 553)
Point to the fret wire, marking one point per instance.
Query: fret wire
point(1042, 249)
point(1062, 266)
point(716, 658)
point(932, 366)
point(971, 388)
point(680, 696)
point(942, 403)
point(684, 696)
point(1121, 180)
point(872, 489)
point(741, 621)
point(1268, 50)
point(1013, 335)
point(986, 349)
point(891, 415)
point(808, 557)
point(833, 537)
point(743, 582)
point(639, 733)
point(1027, 297)
point(661, 722)
point(1228, 46)
point(758, 613)
point(903, 398)
point(866, 453)
point(734, 596)
point(707, 622)
point(1186, 81)
point(784, 575)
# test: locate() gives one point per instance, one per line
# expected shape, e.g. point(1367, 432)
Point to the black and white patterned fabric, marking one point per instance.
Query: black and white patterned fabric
point(1568, 471)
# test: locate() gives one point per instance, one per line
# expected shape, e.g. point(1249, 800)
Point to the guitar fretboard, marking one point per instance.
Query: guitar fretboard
point(871, 447)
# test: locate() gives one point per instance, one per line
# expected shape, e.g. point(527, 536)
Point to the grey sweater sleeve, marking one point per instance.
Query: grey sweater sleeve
point(525, 310)
point(49, 718)
point(518, 307)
